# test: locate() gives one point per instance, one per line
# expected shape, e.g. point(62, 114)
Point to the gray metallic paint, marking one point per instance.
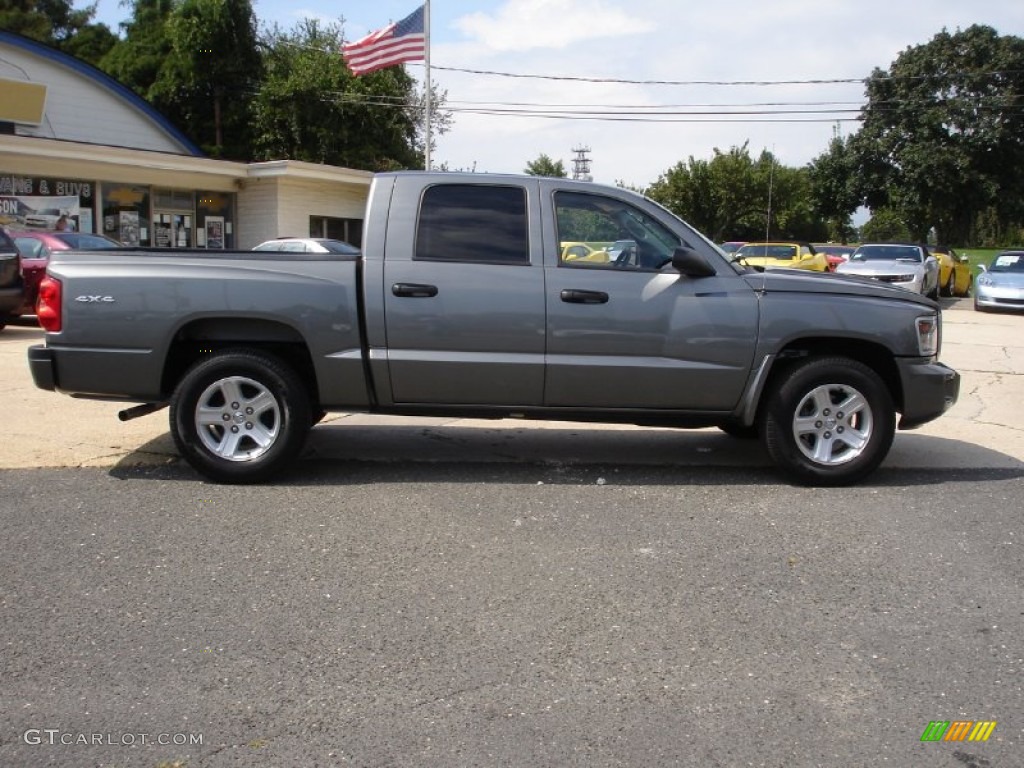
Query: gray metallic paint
point(496, 339)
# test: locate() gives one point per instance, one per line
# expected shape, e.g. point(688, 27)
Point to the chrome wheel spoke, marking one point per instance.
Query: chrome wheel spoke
point(238, 419)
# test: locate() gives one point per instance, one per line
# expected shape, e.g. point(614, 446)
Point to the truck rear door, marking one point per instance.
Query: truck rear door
point(463, 300)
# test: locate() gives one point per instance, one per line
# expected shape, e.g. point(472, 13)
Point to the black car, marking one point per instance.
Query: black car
point(12, 289)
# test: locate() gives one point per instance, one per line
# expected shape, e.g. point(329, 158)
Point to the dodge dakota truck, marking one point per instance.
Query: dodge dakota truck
point(464, 302)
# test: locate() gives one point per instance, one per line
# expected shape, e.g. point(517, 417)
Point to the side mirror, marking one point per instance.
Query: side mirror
point(688, 262)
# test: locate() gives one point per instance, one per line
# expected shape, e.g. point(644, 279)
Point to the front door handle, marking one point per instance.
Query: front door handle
point(415, 290)
point(576, 296)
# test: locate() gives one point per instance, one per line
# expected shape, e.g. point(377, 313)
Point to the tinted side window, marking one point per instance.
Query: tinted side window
point(471, 222)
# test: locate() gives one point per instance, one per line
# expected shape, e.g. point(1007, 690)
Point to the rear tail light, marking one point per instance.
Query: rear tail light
point(48, 305)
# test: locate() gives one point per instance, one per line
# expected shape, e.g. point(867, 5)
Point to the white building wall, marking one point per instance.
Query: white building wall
point(81, 109)
point(257, 213)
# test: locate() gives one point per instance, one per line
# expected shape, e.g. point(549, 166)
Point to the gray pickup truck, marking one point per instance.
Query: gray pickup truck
point(495, 296)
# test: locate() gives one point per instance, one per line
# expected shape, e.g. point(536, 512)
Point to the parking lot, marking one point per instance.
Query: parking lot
point(439, 593)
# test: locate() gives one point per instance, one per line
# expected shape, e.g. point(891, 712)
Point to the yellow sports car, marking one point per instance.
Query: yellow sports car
point(584, 252)
point(954, 271)
point(761, 256)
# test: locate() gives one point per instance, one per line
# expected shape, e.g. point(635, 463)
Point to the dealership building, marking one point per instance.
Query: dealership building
point(76, 143)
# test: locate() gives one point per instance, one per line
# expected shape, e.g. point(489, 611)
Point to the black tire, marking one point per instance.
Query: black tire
point(835, 446)
point(255, 420)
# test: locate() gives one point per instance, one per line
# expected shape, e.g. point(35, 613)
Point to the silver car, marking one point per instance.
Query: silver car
point(903, 265)
point(1001, 285)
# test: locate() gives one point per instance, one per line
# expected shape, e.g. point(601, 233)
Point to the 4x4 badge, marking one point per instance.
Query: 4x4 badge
point(95, 299)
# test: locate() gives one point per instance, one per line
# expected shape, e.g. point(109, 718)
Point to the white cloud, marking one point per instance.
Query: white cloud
point(729, 40)
point(521, 25)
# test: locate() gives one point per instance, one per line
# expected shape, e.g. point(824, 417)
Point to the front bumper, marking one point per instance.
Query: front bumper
point(929, 390)
point(998, 297)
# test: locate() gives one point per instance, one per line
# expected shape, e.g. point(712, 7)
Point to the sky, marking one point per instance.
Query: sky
point(664, 71)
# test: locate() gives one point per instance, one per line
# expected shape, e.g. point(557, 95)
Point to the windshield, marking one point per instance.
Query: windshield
point(762, 251)
point(339, 246)
point(887, 253)
point(1008, 262)
point(86, 242)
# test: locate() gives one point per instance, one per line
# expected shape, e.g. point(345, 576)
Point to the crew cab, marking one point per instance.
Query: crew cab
point(464, 303)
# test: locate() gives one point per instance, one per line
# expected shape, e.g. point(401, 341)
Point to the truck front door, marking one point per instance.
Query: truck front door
point(626, 330)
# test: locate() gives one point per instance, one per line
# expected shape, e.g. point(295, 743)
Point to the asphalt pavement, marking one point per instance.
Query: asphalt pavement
point(428, 593)
point(983, 430)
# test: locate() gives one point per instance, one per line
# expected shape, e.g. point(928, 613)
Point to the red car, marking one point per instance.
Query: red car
point(35, 249)
point(835, 253)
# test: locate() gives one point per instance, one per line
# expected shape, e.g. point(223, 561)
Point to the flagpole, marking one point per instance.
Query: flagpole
point(426, 69)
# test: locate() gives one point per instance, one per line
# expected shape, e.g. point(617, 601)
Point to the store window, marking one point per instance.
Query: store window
point(126, 214)
point(215, 214)
point(349, 230)
point(40, 203)
point(173, 218)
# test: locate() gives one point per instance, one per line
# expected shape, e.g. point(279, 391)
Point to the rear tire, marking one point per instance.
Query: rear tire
point(241, 416)
point(830, 423)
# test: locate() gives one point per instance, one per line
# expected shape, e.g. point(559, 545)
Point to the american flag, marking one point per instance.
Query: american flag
point(398, 42)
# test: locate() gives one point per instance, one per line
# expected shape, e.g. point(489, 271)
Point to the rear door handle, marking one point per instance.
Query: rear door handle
point(415, 290)
point(576, 296)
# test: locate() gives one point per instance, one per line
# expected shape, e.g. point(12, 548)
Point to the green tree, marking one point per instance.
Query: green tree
point(732, 196)
point(212, 73)
point(943, 133)
point(545, 166)
point(311, 107)
point(834, 189)
point(884, 224)
point(57, 23)
point(136, 60)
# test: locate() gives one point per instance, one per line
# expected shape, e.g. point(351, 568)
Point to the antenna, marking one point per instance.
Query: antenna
point(771, 177)
point(581, 163)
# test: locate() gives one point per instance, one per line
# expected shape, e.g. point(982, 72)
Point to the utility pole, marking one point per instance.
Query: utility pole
point(581, 164)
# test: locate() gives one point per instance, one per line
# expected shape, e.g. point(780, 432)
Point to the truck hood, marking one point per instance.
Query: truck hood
point(801, 281)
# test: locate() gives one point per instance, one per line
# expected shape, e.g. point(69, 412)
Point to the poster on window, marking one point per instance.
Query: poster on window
point(215, 232)
point(39, 213)
point(128, 230)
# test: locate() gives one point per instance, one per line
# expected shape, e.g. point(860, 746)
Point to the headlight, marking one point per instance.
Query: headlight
point(985, 280)
point(904, 278)
point(928, 335)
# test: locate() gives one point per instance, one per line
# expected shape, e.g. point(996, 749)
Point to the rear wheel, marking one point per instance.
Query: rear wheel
point(240, 417)
point(830, 423)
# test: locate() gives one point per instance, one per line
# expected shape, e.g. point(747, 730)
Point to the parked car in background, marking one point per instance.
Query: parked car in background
point(584, 252)
point(954, 271)
point(901, 264)
point(1001, 284)
point(788, 255)
point(835, 254)
point(731, 246)
point(36, 248)
point(12, 289)
point(307, 245)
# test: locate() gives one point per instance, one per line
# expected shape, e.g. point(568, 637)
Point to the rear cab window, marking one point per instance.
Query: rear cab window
point(484, 224)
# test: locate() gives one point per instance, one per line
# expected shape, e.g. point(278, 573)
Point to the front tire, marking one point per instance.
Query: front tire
point(830, 423)
point(240, 417)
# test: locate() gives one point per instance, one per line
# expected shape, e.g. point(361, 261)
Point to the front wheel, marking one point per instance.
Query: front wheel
point(831, 422)
point(240, 417)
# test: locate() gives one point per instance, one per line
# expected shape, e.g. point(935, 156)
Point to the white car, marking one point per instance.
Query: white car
point(900, 264)
point(1001, 285)
point(307, 245)
point(44, 218)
